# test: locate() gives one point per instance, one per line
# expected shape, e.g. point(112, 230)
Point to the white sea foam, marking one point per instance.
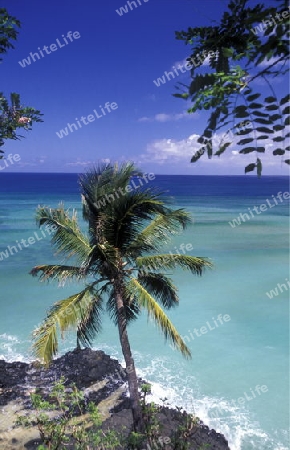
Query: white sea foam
point(10, 349)
point(237, 424)
point(241, 430)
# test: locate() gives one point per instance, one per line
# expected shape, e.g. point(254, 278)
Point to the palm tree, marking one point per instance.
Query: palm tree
point(124, 226)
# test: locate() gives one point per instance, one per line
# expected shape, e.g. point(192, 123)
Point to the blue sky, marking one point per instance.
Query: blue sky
point(114, 59)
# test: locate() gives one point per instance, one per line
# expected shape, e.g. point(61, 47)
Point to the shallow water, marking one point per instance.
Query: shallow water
point(232, 360)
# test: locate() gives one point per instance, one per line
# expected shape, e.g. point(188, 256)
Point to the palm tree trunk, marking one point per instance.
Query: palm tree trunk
point(130, 366)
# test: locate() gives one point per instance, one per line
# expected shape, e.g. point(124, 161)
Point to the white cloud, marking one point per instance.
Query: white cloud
point(145, 119)
point(163, 117)
point(32, 162)
point(79, 163)
point(172, 151)
point(163, 150)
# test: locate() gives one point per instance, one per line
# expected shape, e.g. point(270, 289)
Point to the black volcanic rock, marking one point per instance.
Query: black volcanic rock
point(82, 367)
point(103, 380)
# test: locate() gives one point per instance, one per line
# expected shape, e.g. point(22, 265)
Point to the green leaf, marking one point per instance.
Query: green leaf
point(286, 110)
point(209, 149)
point(222, 148)
point(243, 132)
point(285, 99)
point(242, 115)
point(245, 141)
point(275, 117)
point(227, 52)
point(287, 161)
point(263, 137)
point(241, 112)
point(250, 167)
point(146, 301)
point(184, 96)
point(68, 238)
point(198, 154)
point(240, 108)
point(207, 133)
point(259, 167)
point(272, 107)
point(247, 150)
point(200, 82)
point(263, 121)
point(264, 130)
point(278, 139)
point(255, 105)
point(260, 114)
point(279, 151)
point(253, 97)
point(287, 121)
point(278, 128)
point(270, 99)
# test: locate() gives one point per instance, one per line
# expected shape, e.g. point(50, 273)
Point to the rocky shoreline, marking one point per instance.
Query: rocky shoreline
point(103, 381)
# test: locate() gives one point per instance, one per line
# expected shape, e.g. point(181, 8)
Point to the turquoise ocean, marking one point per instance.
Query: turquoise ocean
point(237, 381)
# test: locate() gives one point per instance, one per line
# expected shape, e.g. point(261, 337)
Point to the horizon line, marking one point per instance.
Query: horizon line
point(156, 174)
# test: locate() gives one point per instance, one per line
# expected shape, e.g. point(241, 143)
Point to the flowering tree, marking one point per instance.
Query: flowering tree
point(12, 116)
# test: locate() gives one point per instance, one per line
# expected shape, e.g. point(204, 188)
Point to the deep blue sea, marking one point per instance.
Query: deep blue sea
point(237, 329)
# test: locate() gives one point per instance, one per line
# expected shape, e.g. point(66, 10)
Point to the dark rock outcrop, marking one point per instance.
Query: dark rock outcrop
point(103, 381)
point(82, 367)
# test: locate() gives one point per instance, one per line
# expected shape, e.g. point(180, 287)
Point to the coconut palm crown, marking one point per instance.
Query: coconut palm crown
point(119, 259)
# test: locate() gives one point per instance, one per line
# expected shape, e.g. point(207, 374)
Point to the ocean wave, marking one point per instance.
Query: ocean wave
point(178, 389)
point(237, 424)
point(10, 349)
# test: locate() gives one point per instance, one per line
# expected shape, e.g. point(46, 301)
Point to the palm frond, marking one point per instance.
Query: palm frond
point(131, 307)
point(103, 259)
point(160, 287)
point(91, 210)
point(95, 179)
point(90, 323)
point(195, 264)
point(67, 236)
point(104, 180)
point(61, 273)
point(124, 173)
point(100, 188)
point(93, 188)
point(46, 341)
point(126, 217)
point(72, 312)
point(160, 230)
point(146, 301)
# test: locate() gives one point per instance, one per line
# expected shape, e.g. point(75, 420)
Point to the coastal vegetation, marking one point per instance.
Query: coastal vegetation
point(248, 48)
point(80, 402)
point(64, 419)
point(119, 261)
point(13, 115)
